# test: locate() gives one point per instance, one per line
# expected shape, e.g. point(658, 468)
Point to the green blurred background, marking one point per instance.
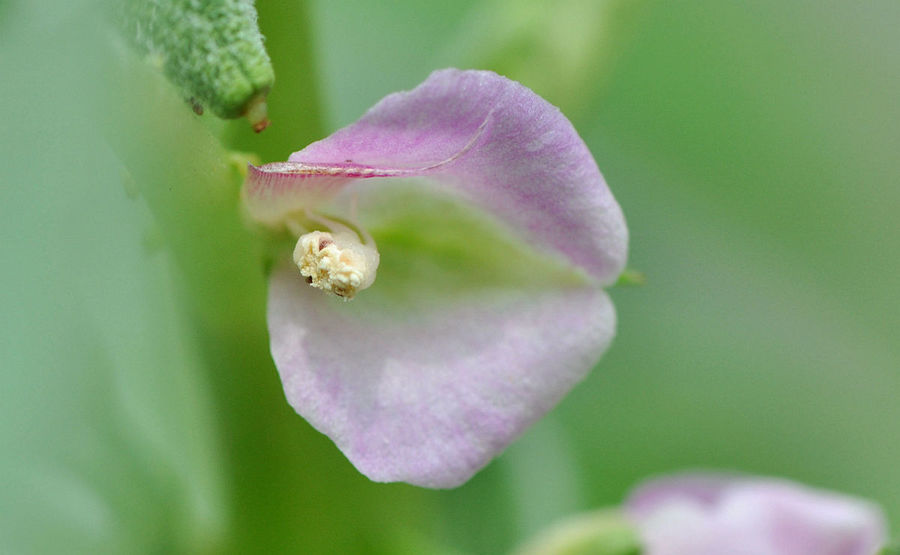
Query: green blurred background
point(754, 149)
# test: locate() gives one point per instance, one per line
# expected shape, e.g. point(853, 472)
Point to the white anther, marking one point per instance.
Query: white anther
point(337, 263)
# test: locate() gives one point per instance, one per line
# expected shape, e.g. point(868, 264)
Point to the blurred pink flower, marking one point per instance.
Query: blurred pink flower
point(425, 382)
point(709, 514)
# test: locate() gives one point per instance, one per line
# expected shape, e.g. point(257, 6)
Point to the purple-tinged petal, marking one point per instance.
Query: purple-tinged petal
point(703, 490)
point(713, 514)
point(429, 397)
point(276, 190)
point(480, 135)
point(473, 330)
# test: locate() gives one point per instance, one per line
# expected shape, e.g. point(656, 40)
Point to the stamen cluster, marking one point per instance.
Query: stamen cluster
point(337, 263)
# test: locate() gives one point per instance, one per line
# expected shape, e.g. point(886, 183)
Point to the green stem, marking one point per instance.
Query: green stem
point(286, 480)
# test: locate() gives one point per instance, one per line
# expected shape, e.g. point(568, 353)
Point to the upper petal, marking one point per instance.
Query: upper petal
point(480, 135)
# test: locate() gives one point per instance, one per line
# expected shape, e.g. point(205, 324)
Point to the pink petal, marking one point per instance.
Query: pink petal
point(430, 396)
point(425, 378)
point(480, 135)
point(712, 514)
point(704, 490)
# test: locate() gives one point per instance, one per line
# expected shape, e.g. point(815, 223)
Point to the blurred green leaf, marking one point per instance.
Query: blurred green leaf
point(107, 420)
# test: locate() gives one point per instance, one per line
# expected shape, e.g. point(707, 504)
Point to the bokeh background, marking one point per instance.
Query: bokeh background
point(754, 149)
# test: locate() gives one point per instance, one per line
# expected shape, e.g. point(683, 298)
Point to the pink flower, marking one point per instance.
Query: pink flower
point(705, 514)
point(495, 234)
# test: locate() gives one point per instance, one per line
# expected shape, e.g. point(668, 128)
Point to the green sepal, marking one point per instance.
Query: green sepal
point(604, 532)
point(630, 276)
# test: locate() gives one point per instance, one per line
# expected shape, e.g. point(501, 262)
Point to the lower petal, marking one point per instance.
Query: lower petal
point(430, 394)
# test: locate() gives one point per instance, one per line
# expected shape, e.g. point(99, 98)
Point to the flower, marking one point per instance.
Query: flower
point(711, 514)
point(495, 234)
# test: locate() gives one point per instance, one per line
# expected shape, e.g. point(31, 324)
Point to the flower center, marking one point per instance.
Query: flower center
point(336, 262)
